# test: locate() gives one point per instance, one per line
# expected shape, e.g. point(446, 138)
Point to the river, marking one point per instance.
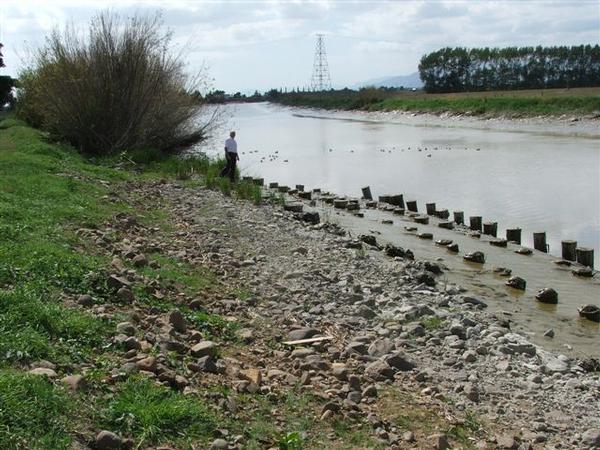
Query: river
point(536, 176)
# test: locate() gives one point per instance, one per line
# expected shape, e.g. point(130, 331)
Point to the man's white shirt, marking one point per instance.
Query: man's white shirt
point(231, 145)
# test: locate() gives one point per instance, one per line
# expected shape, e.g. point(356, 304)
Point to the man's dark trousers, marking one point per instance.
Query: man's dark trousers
point(229, 169)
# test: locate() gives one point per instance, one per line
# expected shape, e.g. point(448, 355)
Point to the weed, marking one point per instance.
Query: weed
point(432, 323)
point(156, 414)
point(33, 413)
point(291, 441)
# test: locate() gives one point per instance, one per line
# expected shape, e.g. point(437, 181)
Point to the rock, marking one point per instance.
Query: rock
point(365, 312)
point(204, 364)
point(331, 406)
point(43, 372)
point(547, 295)
point(107, 440)
point(74, 382)
point(85, 300)
point(252, 375)
point(381, 347)
point(591, 438)
point(302, 333)
point(425, 278)
point(476, 257)
point(506, 442)
point(549, 333)
point(125, 294)
point(399, 362)
point(522, 348)
point(126, 328)
point(517, 283)
point(369, 240)
point(204, 348)
point(354, 396)
point(219, 444)
point(140, 261)
point(471, 391)
point(115, 282)
point(369, 391)
point(469, 356)
point(358, 348)
point(438, 441)
point(131, 343)
point(393, 251)
point(178, 322)
point(310, 217)
point(408, 436)
point(452, 248)
point(379, 371)
point(148, 364)
point(585, 272)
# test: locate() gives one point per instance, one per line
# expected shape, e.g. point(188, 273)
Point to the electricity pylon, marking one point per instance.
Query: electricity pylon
point(320, 80)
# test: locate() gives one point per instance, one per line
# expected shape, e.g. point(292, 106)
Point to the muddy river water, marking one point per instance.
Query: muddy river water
point(538, 177)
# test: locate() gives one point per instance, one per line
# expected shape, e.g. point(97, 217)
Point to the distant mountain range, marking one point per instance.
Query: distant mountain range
point(408, 81)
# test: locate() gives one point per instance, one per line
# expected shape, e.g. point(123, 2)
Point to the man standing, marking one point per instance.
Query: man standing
point(231, 156)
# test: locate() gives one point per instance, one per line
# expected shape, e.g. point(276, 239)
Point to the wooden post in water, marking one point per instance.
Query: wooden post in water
point(412, 205)
point(539, 241)
point(384, 199)
point(396, 200)
point(459, 217)
point(442, 213)
point(490, 228)
point(273, 184)
point(568, 250)
point(300, 187)
point(585, 256)
point(430, 209)
point(366, 191)
point(514, 235)
point(475, 223)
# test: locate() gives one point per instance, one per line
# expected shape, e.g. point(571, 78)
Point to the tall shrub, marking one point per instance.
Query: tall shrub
point(116, 88)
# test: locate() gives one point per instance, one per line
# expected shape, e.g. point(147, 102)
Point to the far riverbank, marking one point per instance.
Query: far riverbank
point(569, 104)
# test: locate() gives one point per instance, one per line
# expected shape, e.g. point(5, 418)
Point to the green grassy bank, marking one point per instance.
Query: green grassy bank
point(48, 192)
point(551, 102)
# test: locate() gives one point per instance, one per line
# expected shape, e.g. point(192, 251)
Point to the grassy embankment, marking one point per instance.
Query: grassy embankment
point(47, 193)
point(551, 102)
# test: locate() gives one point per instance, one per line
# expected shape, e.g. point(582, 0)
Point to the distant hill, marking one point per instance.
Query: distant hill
point(408, 81)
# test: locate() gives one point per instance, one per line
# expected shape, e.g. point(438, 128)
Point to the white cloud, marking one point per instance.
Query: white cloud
point(259, 44)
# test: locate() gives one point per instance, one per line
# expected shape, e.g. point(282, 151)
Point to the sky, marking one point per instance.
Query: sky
point(258, 45)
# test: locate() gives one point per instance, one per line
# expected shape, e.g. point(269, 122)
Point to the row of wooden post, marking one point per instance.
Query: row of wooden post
point(570, 251)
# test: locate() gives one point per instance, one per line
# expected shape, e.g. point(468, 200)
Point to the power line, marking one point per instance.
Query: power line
point(320, 80)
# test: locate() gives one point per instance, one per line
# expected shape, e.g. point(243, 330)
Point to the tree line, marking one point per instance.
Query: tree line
point(484, 69)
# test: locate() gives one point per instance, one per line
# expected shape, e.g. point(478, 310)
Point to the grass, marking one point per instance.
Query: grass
point(47, 193)
point(154, 414)
point(580, 101)
point(33, 413)
point(432, 323)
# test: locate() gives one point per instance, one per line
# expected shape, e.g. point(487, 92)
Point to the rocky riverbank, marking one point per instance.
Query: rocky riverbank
point(405, 361)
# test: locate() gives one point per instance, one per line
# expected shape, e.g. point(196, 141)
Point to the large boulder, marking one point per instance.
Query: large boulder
point(517, 283)
point(476, 257)
point(547, 295)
